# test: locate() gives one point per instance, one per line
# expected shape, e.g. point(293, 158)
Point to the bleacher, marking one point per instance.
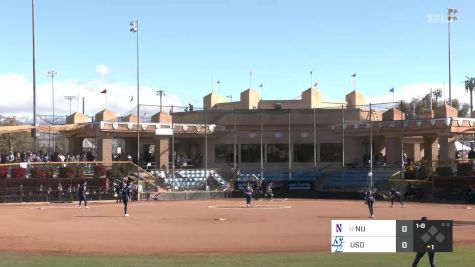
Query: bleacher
point(299, 175)
point(355, 179)
point(192, 179)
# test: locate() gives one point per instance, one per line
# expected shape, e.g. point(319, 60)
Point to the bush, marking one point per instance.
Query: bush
point(4, 171)
point(424, 172)
point(18, 172)
point(118, 171)
point(71, 171)
point(412, 174)
point(100, 170)
point(444, 171)
point(464, 169)
point(41, 172)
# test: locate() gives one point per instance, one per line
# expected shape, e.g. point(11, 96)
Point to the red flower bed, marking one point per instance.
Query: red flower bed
point(100, 170)
point(71, 171)
point(18, 172)
point(3, 171)
point(41, 172)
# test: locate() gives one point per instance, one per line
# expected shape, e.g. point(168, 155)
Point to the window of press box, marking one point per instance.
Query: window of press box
point(250, 153)
point(223, 153)
point(330, 152)
point(277, 153)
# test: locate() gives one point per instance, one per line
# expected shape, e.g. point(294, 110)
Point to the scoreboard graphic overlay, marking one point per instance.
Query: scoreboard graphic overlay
point(391, 236)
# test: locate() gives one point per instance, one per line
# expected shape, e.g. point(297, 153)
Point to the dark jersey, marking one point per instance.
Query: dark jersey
point(82, 189)
point(394, 193)
point(248, 190)
point(126, 191)
point(369, 195)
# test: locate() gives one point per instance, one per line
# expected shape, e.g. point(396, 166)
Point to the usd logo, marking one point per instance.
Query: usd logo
point(338, 243)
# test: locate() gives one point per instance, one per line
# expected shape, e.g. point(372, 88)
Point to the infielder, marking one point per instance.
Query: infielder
point(248, 192)
point(370, 195)
point(395, 195)
point(126, 192)
point(82, 194)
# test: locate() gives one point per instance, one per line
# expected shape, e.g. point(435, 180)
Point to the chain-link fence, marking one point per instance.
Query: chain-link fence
point(59, 181)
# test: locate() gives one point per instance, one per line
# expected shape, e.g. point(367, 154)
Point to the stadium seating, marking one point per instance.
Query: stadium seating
point(354, 179)
point(300, 175)
point(192, 179)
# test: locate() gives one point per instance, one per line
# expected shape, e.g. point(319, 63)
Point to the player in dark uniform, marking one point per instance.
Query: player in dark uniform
point(82, 194)
point(395, 195)
point(126, 193)
point(118, 192)
point(370, 195)
point(257, 189)
point(419, 255)
point(269, 194)
point(248, 192)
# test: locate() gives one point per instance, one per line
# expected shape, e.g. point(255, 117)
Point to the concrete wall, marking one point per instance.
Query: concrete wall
point(210, 100)
point(76, 117)
point(250, 99)
point(104, 149)
point(162, 152)
point(310, 98)
point(355, 99)
point(106, 115)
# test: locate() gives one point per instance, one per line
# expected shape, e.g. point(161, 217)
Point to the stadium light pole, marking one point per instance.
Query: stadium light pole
point(370, 174)
point(161, 94)
point(450, 16)
point(206, 149)
point(70, 98)
point(173, 154)
point(33, 133)
point(52, 74)
point(134, 28)
point(261, 143)
point(34, 74)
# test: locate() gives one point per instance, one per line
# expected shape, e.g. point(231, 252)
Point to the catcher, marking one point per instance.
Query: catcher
point(269, 194)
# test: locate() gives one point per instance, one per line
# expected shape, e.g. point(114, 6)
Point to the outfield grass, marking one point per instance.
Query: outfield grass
point(461, 257)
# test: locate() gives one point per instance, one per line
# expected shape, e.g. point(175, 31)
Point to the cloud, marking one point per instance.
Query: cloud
point(102, 70)
point(18, 96)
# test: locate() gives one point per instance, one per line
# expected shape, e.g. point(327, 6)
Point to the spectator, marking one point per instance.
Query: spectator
point(471, 154)
point(469, 194)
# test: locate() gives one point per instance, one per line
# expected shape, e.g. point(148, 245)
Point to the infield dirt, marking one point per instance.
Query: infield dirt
point(211, 226)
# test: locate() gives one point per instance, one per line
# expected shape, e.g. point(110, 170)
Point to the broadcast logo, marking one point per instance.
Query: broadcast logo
point(338, 243)
point(338, 227)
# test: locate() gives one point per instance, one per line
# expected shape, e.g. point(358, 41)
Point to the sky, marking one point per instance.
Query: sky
point(186, 46)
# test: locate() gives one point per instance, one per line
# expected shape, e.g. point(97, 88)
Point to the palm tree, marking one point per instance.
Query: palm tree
point(469, 86)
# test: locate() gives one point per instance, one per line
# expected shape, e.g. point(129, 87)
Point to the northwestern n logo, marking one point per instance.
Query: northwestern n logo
point(338, 227)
